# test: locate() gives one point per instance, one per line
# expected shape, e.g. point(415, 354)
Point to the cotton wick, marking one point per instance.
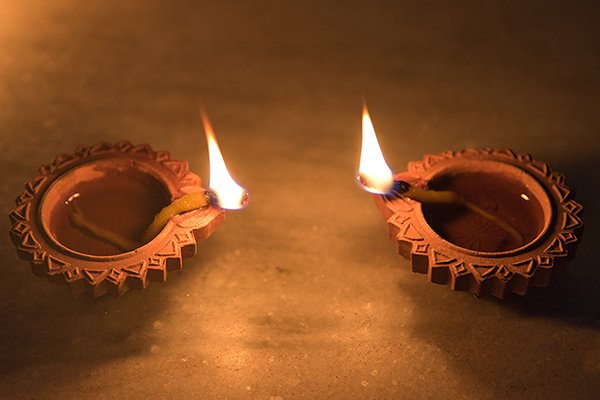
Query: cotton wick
point(428, 196)
point(78, 218)
point(188, 202)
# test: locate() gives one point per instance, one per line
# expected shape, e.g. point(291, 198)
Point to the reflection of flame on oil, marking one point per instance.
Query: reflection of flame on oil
point(72, 197)
point(230, 195)
point(374, 175)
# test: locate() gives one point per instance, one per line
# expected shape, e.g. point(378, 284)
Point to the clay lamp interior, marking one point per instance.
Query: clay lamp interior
point(116, 216)
point(487, 221)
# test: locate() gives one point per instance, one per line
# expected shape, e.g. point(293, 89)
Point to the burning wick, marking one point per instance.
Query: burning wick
point(375, 176)
point(189, 202)
point(224, 193)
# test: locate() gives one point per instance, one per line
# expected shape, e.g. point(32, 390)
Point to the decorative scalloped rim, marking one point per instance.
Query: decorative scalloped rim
point(486, 275)
point(131, 270)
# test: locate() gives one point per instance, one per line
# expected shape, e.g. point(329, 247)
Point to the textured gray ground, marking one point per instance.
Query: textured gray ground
point(301, 295)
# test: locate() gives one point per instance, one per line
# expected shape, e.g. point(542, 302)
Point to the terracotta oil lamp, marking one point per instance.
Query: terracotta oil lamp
point(111, 217)
point(487, 221)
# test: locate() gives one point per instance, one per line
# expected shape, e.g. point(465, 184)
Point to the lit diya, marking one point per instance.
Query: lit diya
point(487, 221)
point(116, 216)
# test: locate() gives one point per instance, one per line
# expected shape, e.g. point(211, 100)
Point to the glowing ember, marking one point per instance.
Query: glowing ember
point(230, 195)
point(374, 175)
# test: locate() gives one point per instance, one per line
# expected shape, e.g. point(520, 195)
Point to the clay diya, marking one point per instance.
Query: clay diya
point(84, 220)
point(487, 221)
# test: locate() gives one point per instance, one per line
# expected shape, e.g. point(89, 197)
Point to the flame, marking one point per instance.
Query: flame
point(230, 195)
point(374, 175)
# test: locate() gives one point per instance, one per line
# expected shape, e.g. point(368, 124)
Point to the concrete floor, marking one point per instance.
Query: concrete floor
point(301, 295)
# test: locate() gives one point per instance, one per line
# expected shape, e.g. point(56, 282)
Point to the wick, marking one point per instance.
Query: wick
point(78, 218)
point(188, 202)
point(428, 196)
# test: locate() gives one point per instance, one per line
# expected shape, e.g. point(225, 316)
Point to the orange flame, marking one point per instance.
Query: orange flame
point(230, 195)
point(374, 175)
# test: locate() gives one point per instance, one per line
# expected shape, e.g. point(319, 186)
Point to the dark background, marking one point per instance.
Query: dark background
point(301, 295)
